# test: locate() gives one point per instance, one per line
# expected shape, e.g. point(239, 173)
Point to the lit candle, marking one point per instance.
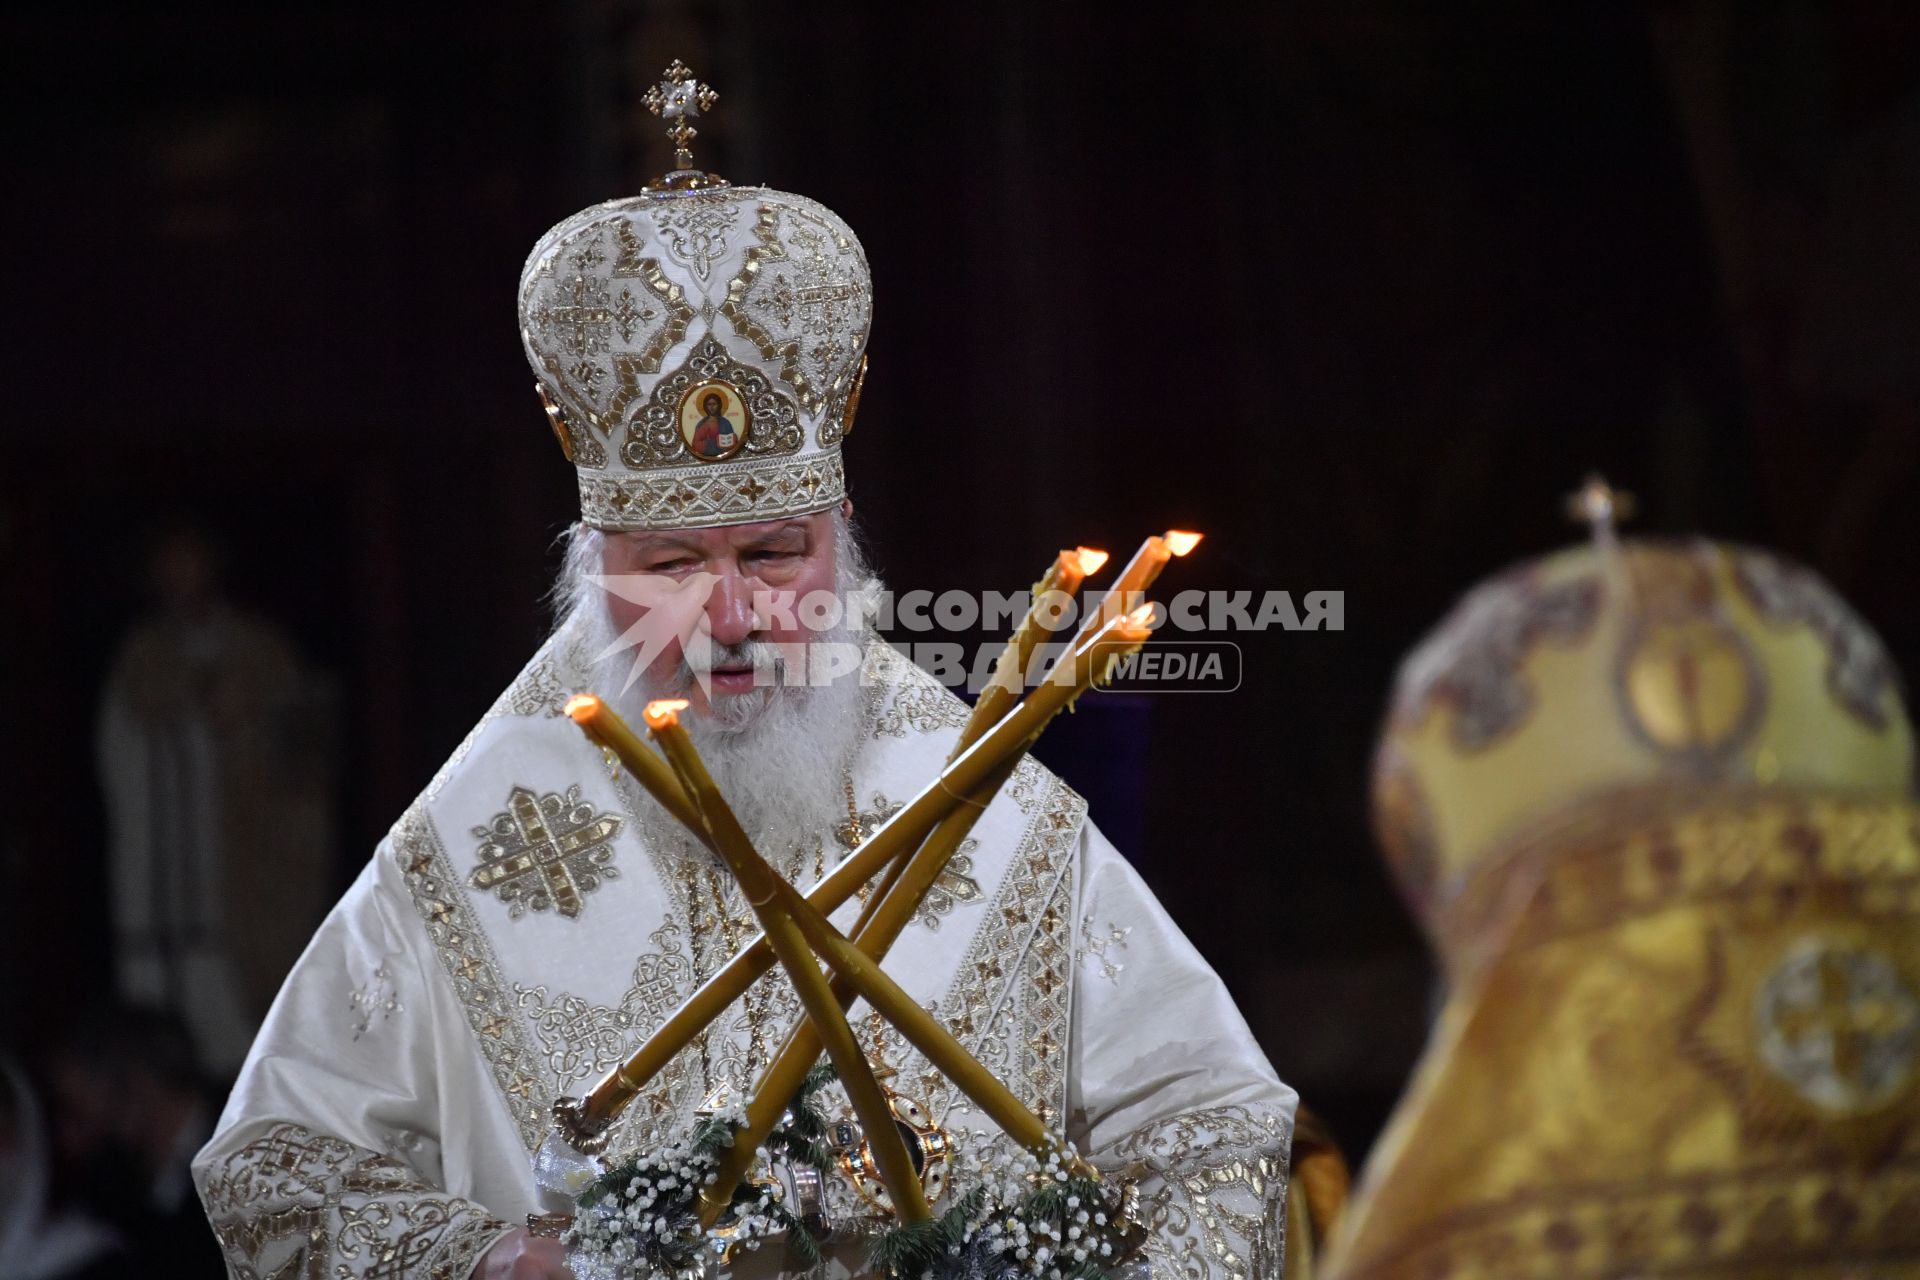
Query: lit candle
point(889, 916)
point(1085, 665)
point(774, 911)
point(1139, 574)
point(984, 764)
point(1056, 587)
point(605, 727)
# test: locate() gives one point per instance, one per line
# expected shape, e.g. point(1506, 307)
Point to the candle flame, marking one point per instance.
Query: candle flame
point(581, 706)
point(665, 711)
point(1179, 542)
point(1091, 560)
point(1141, 619)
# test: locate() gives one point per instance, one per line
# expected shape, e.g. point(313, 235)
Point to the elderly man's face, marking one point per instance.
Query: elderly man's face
point(746, 580)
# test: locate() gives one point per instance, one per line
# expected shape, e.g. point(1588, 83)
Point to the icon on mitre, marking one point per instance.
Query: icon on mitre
point(713, 420)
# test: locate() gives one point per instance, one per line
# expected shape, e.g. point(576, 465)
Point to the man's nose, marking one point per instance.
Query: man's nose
point(730, 617)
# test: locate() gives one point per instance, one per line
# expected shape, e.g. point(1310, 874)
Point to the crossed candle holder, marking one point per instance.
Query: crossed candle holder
point(908, 853)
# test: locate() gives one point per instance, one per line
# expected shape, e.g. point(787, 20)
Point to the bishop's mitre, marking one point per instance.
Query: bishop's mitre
point(700, 346)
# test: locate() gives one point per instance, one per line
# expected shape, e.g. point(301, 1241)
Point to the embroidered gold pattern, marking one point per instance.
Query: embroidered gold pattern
point(955, 883)
point(1101, 946)
point(803, 297)
point(1744, 1227)
point(655, 438)
point(921, 705)
point(1836, 1021)
point(468, 959)
point(299, 1205)
point(697, 229)
point(585, 325)
point(581, 1039)
point(697, 497)
point(1740, 853)
point(838, 424)
point(1473, 663)
point(1049, 984)
point(1859, 673)
point(1017, 1031)
point(1215, 1185)
point(545, 852)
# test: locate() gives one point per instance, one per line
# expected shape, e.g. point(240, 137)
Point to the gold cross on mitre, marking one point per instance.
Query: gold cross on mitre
point(678, 99)
point(1600, 507)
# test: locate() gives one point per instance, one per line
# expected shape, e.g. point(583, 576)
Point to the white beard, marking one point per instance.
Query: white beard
point(780, 754)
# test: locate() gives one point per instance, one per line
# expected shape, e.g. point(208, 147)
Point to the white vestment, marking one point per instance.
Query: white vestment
point(384, 1123)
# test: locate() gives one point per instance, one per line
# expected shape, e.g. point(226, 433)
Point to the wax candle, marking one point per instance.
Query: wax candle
point(605, 727)
point(1139, 574)
point(979, 767)
point(1056, 586)
point(762, 887)
point(784, 1075)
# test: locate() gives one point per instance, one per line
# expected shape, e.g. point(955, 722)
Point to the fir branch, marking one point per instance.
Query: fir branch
point(822, 1075)
point(801, 1245)
point(906, 1249)
point(712, 1135)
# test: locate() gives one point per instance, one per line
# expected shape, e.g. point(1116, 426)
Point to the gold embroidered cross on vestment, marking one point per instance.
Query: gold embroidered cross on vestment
point(545, 852)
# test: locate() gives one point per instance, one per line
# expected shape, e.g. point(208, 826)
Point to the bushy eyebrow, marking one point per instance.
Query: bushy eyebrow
point(785, 535)
point(793, 534)
point(661, 544)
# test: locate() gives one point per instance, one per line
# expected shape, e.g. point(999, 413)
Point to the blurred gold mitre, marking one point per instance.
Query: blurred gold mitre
point(1652, 801)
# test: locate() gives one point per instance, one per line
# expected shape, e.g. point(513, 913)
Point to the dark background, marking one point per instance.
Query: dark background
point(1358, 289)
